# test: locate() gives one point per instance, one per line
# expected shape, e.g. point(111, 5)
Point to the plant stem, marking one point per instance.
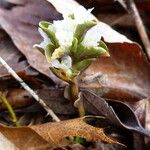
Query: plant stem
point(74, 92)
point(10, 109)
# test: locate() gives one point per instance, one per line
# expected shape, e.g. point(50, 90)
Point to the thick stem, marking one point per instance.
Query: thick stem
point(74, 93)
point(74, 90)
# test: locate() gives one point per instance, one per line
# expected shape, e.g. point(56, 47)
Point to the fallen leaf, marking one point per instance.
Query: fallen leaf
point(53, 134)
point(118, 113)
point(17, 98)
point(6, 144)
point(21, 23)
point(24, 138)
point(11, 54)
point(125, 75)
point(140, 108)
point(54, 98)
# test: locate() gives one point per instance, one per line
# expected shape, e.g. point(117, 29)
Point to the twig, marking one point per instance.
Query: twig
point(27, 88)
point(132, 9)
point(10, 109)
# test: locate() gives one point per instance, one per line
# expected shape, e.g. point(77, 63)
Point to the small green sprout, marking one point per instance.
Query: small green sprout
point(71, 45)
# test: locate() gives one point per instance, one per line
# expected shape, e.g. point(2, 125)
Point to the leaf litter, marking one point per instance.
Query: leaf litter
point(126, 74)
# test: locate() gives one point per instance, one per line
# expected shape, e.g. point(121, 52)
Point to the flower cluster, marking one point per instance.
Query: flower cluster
point(70, 45)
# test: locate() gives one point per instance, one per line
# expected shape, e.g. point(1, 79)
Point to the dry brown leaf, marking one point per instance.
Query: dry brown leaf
point(21, 23)
point(54, 134)
point(11, 54)
point(6, 144)
point(24, 138)
point(125, 75)
point(118, 113)
point(17, 98)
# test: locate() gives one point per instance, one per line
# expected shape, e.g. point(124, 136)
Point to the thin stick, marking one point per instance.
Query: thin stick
point(140, 26)
point(132, 9)
point(27, 88)
point(10, 109)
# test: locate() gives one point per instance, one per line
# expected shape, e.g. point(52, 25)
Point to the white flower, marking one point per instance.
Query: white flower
point(65, 63)
point(64, 31)
point(92, 37)
point(80, 15)
point(61, 33)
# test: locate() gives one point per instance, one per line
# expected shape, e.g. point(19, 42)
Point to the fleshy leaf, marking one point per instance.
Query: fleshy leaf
point(81, 29)
point(60, 73)
point(103, 45)
point(47, 28)
point(82, 65)
point(48, 52)
point(90, 52)
point(73, 47)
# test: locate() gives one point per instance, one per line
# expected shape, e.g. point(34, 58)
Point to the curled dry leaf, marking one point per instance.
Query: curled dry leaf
point(118, 113)
point(53, 134)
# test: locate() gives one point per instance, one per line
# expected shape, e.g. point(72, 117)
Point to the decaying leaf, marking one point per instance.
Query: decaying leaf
point(125, 75)
point(6, 144)
point(11, 54)
point(17, 98)
point(118, 113)
point(54, 134)
point(24, 138)
point(54, 98)
point(21, 23)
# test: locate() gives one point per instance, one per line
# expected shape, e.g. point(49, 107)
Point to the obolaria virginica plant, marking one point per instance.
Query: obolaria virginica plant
point(71, 45)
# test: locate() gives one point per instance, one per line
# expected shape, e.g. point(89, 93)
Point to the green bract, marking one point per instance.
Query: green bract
point(70, 45)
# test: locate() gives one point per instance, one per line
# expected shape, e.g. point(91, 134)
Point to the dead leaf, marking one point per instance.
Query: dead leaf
point(54, 98)
point(24, 138)
point(6, 144)
point(11, 54)
point(21, 23)
point(125, 75)
point(54, 134)
point(17, 98)
point(118, 113)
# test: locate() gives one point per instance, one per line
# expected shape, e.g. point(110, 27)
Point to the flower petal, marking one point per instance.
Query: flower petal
point(81, 29)
point(82, 15)
point(65, 63)
point(64, 31)
point(92, 37)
